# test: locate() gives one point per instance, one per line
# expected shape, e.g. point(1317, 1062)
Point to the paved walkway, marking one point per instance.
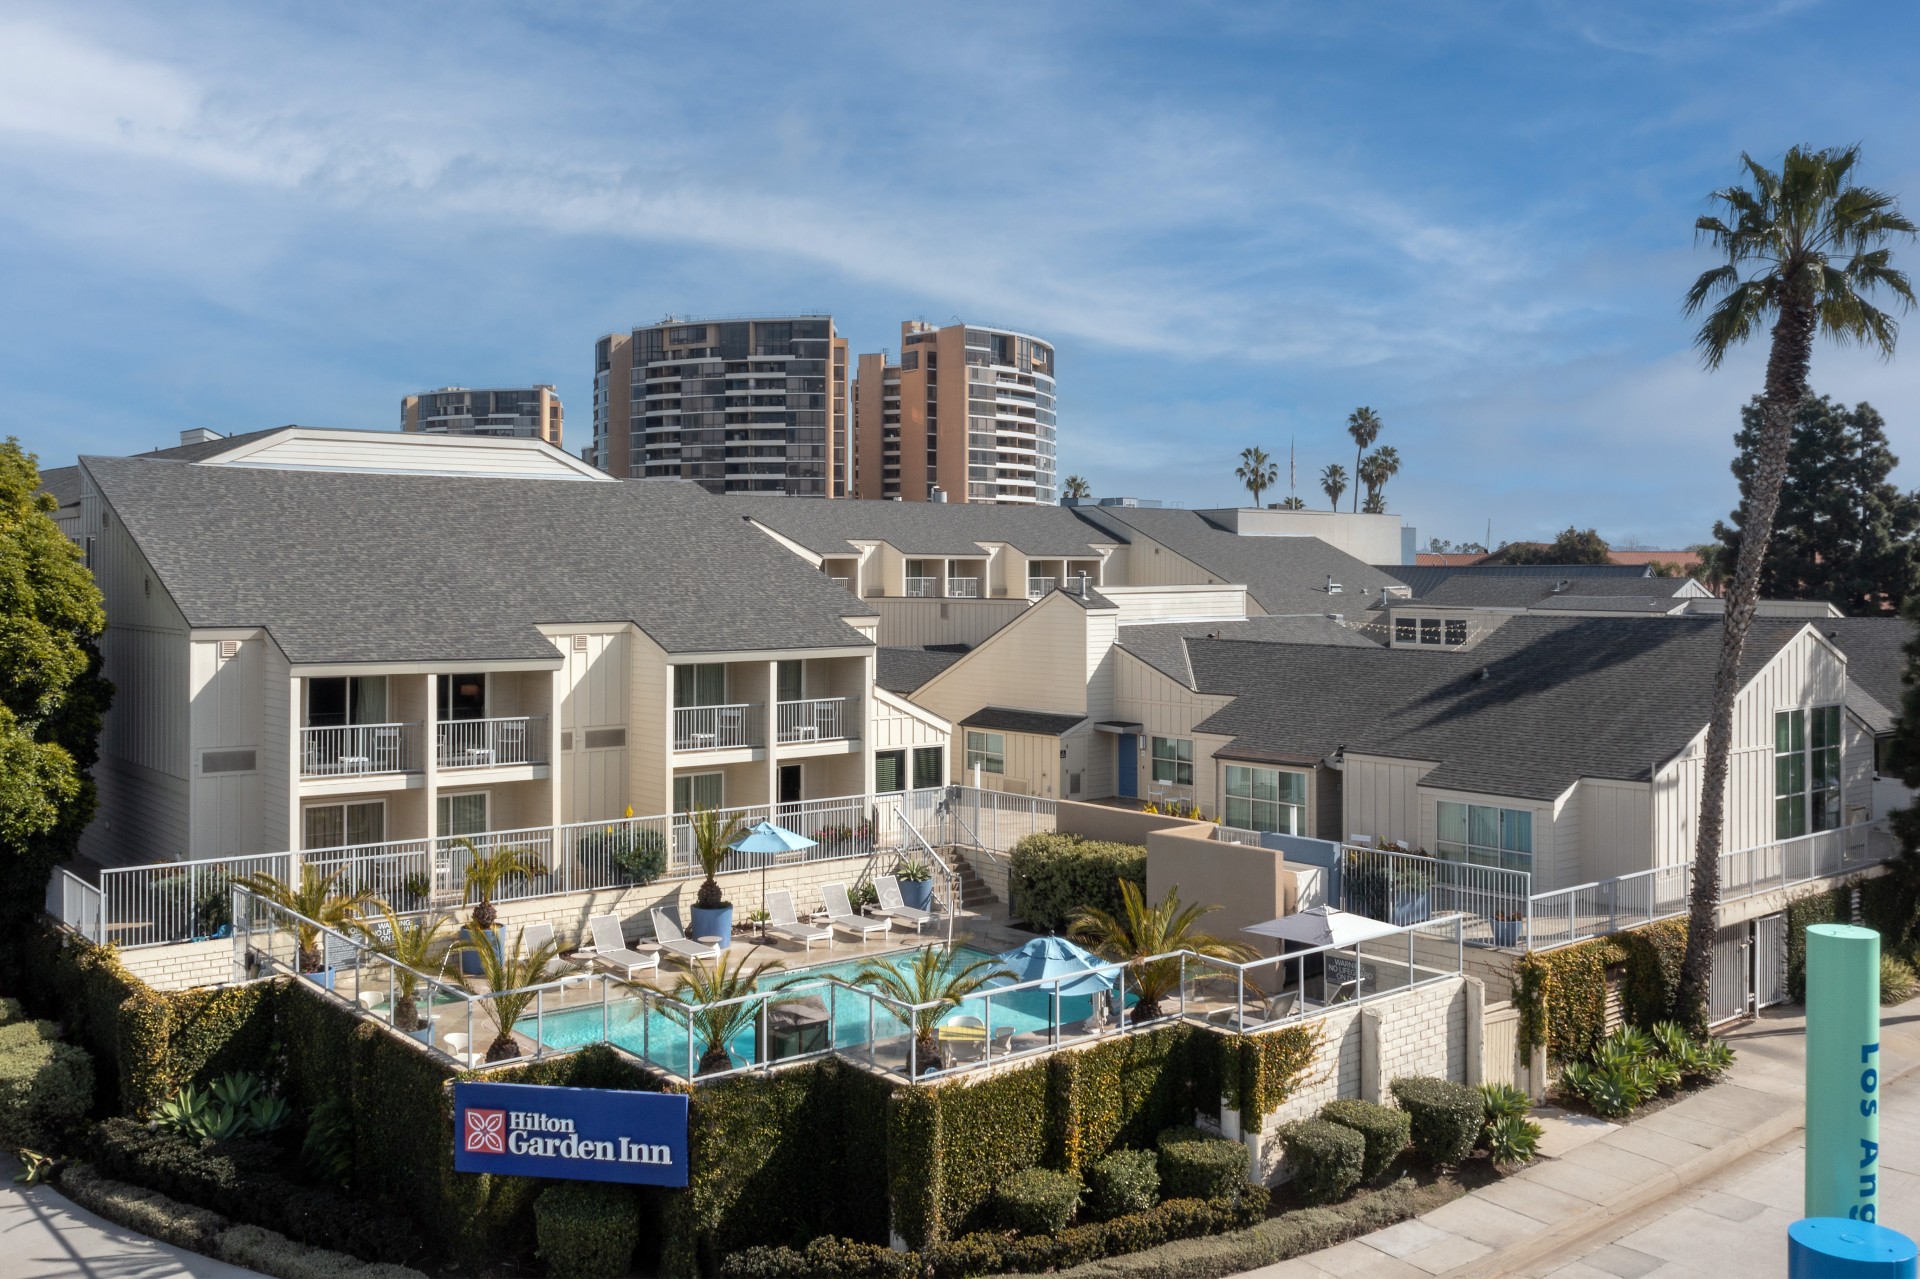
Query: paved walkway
point(1705, 1187)
point(44, 1235)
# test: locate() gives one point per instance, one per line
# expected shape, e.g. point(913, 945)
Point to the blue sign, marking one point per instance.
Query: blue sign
point(580, 1134)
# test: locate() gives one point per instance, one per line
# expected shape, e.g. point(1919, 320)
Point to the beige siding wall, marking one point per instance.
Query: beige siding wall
point(1856, 771)
point(1163, 707)
point(1381, 797)
point(225, 713)
point(1159, 603)
point(279, 749)
point(595, 694)
point(649, 727)
point(1616, 828)
point(899, 724)
point(908, 622)
point(1147, 563)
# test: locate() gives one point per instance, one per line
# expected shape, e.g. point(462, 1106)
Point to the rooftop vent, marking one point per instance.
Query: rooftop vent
point(1333, 587)
point(199, 435)
point(937, 494)
point(1561, 585)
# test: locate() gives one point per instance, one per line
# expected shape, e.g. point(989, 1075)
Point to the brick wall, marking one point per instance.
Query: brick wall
point(189, 964)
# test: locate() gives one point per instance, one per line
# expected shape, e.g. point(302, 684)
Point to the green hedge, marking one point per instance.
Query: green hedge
point(988, 1253)
point(1562, 994)
point(1325, 1159)
point(1037, 1201)
point(1446, 1117)
point(586, 1230)
point(1050, 875)
point(1199, 1165)
point(46, 1087)
point(1385, 1129)
point(1272, 1067)
point(1123, 1182)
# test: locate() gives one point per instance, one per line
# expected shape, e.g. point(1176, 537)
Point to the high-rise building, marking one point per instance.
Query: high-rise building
point(527, 413)
point(966, 411)
point(741, 405)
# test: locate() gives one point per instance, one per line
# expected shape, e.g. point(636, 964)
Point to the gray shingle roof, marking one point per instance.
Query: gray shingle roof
point(395, 568)
point(1562, 699)
point(1496, 590)
point(922, 528)
point(213, 448)
point(1424, 577)
point(1570, 603)
point(1163, 645)
point(1286, 575)
point(63, 482)
point(901, 670)
point(1009, 719)
point(1875, 649)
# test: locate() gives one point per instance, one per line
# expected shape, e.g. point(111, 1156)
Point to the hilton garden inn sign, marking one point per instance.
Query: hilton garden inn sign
point(579, 1134)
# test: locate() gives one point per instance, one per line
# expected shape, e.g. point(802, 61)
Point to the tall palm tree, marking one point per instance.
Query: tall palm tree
point(1378, 467)
point(1802, 251)
point(415, 946)
point(319, 904)
point(930, 979)
point(508, 974)
point(1711, 571)
point(713, 838)
point(1294, 502)
point(1257, 471)
point(1141, 931)
point(1333, 482)
point(489, 872)
point(702, 986)
point(1363, 424)
point(1077, 488)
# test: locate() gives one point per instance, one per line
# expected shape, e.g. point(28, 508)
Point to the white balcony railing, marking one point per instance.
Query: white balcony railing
point(707, 728)
point(922, 587)
point(963, 588)
point(819, 719)
point(483, 743)
point(1038, 586)
point(351, 749)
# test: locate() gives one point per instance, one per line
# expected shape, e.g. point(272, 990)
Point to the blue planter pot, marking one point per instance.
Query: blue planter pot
point(470, 962)
point(322, 979)
point(712, 921)
point(917, 893)
point(1506, 932)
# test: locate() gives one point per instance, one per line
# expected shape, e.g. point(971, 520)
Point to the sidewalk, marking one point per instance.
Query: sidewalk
point(44, 1235)
point(1534, 1220)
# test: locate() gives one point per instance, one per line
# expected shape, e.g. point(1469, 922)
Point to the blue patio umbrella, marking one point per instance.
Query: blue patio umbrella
point(1045, 958)
point(769, 841)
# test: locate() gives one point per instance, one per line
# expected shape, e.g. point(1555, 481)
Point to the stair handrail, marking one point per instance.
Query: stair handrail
point(949, 876)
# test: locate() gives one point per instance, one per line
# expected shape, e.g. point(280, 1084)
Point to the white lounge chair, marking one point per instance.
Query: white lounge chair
point(666, 930)
point(783, 921)
point(841, 915)
point(610, 949)
point(893, 907)
point(534, 936)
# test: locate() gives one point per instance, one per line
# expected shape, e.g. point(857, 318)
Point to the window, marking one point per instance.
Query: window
point(1405, 630)
point(702, 685)
point(1485, 835)
point(986, 752)
point(1429, 630)
point(696, 790)
point(1173, 760)
point(463, 697)
point(1806, 771)
point(463, 814)
point(340, 700)
point(1456, 630)
point(929, 767)
point(339, 825)
point(790, 679)
point(888, 769)
point(1266, 799)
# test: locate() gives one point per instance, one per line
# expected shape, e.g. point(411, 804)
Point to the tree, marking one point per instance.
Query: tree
point(713, 839)
point(1294, 502)
point(317, 903)
point(1711, 571)
point(1904, 760)
point(1572, 546)
point(418, 945)
point(1843, 533)
point(510, 974)
point(715, 1020)
point(1257, 472)
point(1378, 467)
point(1439, 545)
point(930, 979)
point(51, 692)
point(489, 872)
point(1142, 932)
point(1333, 482)
point(1363, 424)
point(1813, 247)
point(1077, 488)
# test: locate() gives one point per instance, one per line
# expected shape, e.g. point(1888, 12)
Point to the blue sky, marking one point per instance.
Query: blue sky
point(1235, 222)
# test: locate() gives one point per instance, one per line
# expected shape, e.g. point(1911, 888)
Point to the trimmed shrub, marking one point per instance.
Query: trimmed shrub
point(1051, 875)
point(1198, 1165)
point(1122, 1182)
point(25, 1034)
point(46, 1089)
point(822, 1257)
point(1325, 1159)
point(277, 1255)
point(1037, 1201)
point(1446, 1117)
point(586, 1229)
point(1386, 1131)
point(1897, 980)
point(148, 1211)
point(9, 1010)
point(1175, 1219)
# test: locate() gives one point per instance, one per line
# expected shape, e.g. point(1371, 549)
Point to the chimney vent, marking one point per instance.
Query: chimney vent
point(937, 494)
point(199, 435)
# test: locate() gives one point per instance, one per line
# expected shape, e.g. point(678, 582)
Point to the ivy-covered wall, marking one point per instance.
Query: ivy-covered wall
point(1562, 994)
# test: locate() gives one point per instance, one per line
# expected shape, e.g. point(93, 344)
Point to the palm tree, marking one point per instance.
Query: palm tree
point(318, 904)
point(1363, 424)
point(1141, 931)
point(491, 871)
point(712, 841)
point(1812, 246)
point(1294, 502)
point(1711, 571)
point(1257, 471)
point(1077, 488)
point(1379, 466)
point(702, 987)
point(509, 974)
point(930, 979)
point(415, 946)
point(1333, 482)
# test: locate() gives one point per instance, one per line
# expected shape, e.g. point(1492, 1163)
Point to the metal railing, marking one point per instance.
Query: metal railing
point(993, 820)
point(945, 877)
point(75, 903)
point(1236, 835)
point(348, 749)
point(1038, 586)
point(707, 728)
point(922, 587)
point(1406, 888)
point(483, 743)
point(817, 719)
point(963, 588)
point(177, 901)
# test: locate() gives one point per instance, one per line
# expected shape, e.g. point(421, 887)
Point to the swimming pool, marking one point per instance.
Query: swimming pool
point(853, 1020)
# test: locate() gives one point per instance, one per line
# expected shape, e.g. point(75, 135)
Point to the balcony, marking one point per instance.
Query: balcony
point(1038, 586)
point(819, 719)
point(963, 588)
point(922, 587)
point(353, 749)
point(487, 743)
point(708, 728)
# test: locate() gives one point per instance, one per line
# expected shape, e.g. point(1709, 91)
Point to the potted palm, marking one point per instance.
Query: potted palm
point(915, 876)
point(510, 973)
point(931, 979)
point(713, 1022)
point(713, 837)
point(415, 946)
point(1141, 931)
point(487, 873)
point(319, 905)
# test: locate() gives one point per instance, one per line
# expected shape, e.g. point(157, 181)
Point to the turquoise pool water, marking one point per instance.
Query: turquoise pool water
point(854, 1020)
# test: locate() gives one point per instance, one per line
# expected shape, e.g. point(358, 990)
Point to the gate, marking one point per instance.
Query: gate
point(1770, 961)
point(1731, 992)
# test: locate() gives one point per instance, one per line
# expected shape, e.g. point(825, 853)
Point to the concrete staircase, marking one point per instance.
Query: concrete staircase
point(974, 893)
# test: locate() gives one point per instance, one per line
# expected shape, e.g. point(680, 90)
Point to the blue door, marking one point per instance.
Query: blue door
point(1126, 759)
